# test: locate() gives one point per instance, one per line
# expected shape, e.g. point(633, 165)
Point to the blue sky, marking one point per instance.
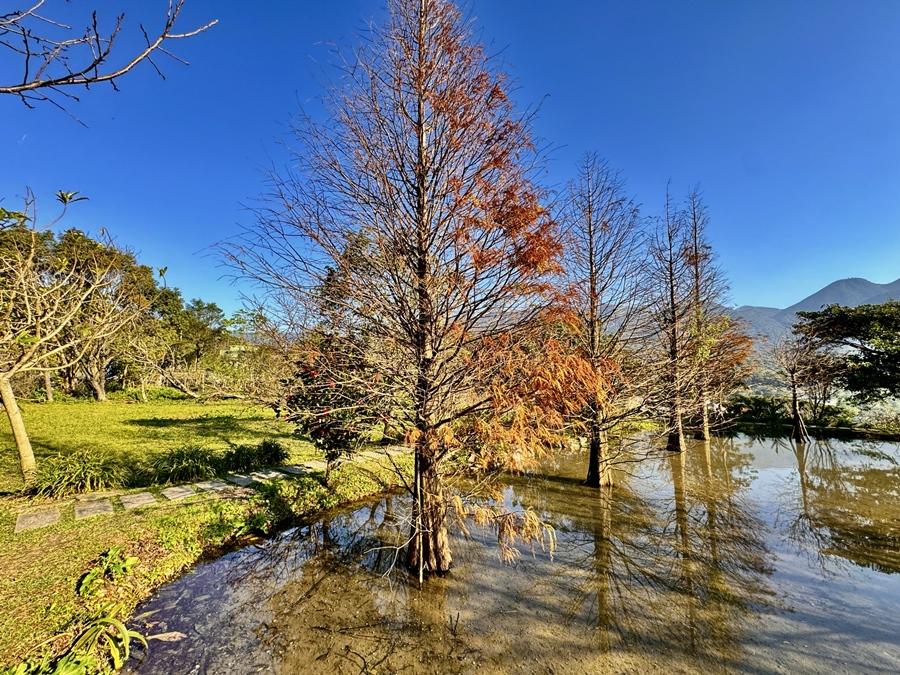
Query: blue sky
point(787, 113)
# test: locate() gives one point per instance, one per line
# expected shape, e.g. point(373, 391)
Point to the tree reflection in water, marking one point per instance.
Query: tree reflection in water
point(668, 570)
point(848, 509)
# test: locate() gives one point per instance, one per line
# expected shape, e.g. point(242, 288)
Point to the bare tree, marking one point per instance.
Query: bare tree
point(670, 274)
point(425, 166)
point(41, 296)
point(708, 290)
point(55, 59)
point(605, 261)
point(821, 381)
point(795, 359)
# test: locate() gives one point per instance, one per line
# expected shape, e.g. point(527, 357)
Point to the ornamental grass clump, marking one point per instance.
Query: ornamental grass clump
point(79, 471)
point(187, 463)
point(252, 457)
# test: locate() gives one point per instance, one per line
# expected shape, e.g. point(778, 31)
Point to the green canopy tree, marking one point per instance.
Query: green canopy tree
point(866, 341)
point(132, 287)
point(44, 295)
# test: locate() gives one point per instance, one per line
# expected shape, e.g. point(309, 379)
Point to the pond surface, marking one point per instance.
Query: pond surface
point(743, 554)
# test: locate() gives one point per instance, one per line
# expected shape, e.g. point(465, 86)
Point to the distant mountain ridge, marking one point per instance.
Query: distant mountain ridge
point(772, 323)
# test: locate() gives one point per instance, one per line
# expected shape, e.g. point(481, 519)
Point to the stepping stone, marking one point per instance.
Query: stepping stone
point(315, 465)
point(35, 519)
point(178, 492)
point(293, 468)
point(266, 474)
point(94, 496)
point(211, 485)
point(98, 507)
point(239, 479)
point(137, 500)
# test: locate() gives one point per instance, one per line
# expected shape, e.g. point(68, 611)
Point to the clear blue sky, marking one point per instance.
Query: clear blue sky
point(787, 113)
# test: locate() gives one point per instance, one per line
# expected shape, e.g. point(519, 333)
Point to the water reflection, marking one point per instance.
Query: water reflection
point(704, 560)
point(844, 508)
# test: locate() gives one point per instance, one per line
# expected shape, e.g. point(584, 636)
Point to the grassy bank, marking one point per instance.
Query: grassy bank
point(44, 606)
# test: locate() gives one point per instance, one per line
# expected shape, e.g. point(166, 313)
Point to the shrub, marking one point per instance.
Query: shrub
point(240, 458)
point(759, 409)
point(186, 463)
point(271, 452)
point(249, 457)
point(835, 416)
point(79, 471)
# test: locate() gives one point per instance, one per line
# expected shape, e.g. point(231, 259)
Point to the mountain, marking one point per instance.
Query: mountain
point(771, 323)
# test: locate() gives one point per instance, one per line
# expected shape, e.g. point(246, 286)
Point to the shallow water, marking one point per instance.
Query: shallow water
point(743, 554)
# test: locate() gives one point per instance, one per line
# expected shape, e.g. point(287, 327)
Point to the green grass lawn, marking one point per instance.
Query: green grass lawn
point(42, 610)
point(135, 431)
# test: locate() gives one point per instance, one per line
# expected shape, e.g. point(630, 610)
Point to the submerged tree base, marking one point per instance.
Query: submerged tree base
point(428, 550)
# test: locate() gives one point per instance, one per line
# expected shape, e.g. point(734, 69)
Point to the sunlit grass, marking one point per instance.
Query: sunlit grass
point(42, 567)
point(133, 432)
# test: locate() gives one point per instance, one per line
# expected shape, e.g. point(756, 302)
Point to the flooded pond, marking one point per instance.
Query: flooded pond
point(743, 554)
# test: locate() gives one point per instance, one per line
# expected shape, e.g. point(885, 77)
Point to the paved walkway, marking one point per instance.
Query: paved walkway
point(89, 506)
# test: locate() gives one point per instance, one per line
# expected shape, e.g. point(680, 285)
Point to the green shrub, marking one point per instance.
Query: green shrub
point(79, 471)
point(240, 458)
point(249, 457)
point(270, 452)
point(186, 463)
point(237, 518)
point(834, 416)
point(759, 409)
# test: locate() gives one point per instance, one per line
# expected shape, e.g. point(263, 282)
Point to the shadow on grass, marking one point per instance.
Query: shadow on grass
point(219, 427)
point(217, 423)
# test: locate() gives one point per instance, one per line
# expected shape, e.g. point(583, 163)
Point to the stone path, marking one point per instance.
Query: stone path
point(178, 492)
point(96, 507)
point(210, 485)
point(35, 519)
point(137, 500)
point(88, 506)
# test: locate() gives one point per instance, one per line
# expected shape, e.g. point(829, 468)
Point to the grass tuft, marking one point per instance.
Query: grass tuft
point(185, 464)
point(245, 458)
point(79, 471)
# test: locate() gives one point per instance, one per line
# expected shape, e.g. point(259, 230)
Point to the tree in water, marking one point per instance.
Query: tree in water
point(671, 288)
point(604, 262)
point(422, 159)
point(795, 360)
point(707, 299)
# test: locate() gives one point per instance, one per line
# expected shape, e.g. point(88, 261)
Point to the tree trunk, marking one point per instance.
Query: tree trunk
point(48, 387)
point(143, 389)
point(98, 386)
point(428, 551)
point(675, 440)
point(599, 468)
point(702, 432)
point(23, 445)
point(69, 380)
point(798, 427)
point(175, 383)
